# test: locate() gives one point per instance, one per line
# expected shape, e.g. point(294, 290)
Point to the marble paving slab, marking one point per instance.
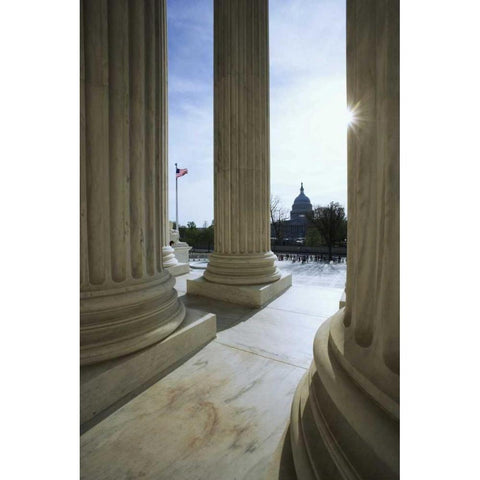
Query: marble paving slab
point(210, 419)
point(310, 300)
point(276, 334)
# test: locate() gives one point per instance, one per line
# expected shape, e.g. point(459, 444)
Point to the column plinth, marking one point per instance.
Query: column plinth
point(127, 298)
point(171, 263)
point(242, 255)
point(345, 414)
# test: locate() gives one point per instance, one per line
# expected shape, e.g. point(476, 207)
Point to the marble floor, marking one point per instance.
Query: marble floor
point(223, 414)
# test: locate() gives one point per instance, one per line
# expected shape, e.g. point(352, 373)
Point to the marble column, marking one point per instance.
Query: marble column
point(168, 253)
point(127, 298)
point(345, 415)
point(242, 254)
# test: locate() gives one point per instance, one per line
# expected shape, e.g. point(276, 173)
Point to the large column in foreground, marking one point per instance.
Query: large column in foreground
point(242, 255)
point(345, 415)
point(127, 299)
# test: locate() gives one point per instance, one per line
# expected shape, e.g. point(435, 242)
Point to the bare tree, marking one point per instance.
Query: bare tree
point(278, 217)
point(331, 223)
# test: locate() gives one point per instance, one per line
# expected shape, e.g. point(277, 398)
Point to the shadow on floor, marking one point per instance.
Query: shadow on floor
point(282, 467)
point(228, 314)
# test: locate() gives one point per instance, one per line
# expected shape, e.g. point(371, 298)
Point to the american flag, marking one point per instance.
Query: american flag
point(181, 172)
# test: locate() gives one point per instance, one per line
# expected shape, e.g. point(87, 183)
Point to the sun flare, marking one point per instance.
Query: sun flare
point(349, 117)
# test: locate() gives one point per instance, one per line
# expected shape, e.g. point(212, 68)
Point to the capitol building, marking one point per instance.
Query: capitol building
point(295, 229)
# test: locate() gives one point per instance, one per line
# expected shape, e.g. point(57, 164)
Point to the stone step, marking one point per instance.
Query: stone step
point(106, 386)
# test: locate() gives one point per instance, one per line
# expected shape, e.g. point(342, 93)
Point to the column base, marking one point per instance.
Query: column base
point(250, 295)
point(343, 300)
point(338, 430)
point(107, 386)
point(242, 269)
point(168, 259)
point(179, 269)
point(124, 320)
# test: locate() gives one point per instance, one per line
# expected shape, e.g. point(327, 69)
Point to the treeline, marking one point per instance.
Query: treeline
point(328, 226)
point(201, 238)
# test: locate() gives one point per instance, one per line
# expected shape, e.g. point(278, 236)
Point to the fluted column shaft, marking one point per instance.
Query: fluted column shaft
point(345, 415)
point(127, 299)
point(168, 254)
point(241, 145)
point(372, 307)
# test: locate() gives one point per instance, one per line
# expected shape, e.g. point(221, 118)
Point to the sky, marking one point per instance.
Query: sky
point(308, 128)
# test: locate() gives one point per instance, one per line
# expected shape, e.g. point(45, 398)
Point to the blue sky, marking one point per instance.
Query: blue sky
point(307, 103)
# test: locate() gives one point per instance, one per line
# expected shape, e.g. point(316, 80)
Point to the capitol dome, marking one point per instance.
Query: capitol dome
point(301, 206)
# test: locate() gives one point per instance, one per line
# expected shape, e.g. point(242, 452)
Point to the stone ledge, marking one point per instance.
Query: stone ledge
point(179, 269)
point(106, 386)
point(251, 295)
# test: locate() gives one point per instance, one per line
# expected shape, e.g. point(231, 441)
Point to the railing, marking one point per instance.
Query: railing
point(295, 256)
point(198, 257)
point(303, 250)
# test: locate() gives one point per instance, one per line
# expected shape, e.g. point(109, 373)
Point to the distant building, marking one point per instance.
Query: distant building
point(295, 229)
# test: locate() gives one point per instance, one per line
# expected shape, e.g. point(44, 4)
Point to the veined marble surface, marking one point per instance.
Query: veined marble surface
point(223, 413)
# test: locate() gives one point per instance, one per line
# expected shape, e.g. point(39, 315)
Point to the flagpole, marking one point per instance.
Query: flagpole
point(176, 199)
